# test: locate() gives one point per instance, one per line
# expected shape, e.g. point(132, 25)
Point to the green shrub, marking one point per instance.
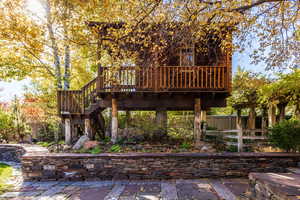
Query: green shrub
point(45, 144)
point(48, 130)
point(115, 148)
point(185, 145)
point(95, 150)
point(286, 135)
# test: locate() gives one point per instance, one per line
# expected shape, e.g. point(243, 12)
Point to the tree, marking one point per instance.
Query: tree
point(62, 37)
point(245, 93)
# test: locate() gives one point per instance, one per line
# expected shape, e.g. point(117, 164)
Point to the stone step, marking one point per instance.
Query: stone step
point(279, 186)
point(294, 170)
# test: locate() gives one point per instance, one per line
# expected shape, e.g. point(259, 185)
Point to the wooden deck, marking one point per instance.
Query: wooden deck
point(151, 80)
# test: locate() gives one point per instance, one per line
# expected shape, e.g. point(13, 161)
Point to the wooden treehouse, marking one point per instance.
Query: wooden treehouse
point(180, 78)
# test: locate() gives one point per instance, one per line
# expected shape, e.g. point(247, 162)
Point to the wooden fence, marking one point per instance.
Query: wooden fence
point(241, 138)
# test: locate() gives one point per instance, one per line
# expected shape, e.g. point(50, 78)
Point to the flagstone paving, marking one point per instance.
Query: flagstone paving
point(202, 189)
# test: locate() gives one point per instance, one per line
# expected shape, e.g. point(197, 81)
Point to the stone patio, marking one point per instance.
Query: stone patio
point(202, 189)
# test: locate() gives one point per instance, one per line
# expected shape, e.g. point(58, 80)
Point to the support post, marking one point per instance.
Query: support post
point(114, 120)
point(161, 119)
point(204, 124)
point(128, 119)
point(251, 120)
point(240, 130)
point(272, 115)
point(264, 120)
point(197, 121)
point(108, 128)
point(68, 135)
point(88, 128)
point(74, 132)
point(281, 108)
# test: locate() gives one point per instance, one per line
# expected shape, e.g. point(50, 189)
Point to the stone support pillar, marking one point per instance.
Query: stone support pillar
point(114, 120)
point(68, 134)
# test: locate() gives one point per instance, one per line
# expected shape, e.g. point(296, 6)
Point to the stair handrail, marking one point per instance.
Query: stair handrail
point(87, 92)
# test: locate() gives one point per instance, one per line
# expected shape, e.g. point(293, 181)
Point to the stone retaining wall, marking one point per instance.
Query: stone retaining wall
point(14, 152)
point(152, 166)
point(11, 153)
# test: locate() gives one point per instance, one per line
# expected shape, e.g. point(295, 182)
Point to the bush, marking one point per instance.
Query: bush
point(286, 135)
point(95, 150)
point(185, 145)
point(48, 130)
point(115, 148)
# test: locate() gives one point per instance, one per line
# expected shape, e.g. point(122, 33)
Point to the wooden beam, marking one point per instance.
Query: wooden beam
point(114, 120)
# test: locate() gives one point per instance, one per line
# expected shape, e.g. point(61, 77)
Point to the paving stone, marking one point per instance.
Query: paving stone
point(20, 194)
point(239, 189)
point(130, 191)
point(222, 191)
point(92, 193)
point(115, 192)
point(193, 191)
point(168, 191)
point(51, 192)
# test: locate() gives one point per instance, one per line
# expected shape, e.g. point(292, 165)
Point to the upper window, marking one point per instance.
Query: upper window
point(187, 56)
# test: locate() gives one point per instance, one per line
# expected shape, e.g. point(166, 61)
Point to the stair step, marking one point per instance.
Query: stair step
point(294, 170)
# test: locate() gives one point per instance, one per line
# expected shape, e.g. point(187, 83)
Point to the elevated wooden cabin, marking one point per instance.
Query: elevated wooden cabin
point(180, 77)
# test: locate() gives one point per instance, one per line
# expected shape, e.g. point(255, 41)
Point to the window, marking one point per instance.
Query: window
point(187, 56)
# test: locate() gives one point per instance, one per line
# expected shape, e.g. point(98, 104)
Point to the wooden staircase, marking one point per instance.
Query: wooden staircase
point(82, 104)
point(78, 102)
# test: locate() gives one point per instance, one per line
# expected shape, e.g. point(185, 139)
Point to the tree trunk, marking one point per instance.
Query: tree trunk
point(251, 118)
point(67, 68)
point(264, 120)
point(281, 107)
point(54, 46)
point(67, 48)
point(272, 115)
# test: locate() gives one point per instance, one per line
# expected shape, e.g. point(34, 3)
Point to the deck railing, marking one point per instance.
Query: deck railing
point(75, 101)
point(155, 79)
point(164, 78)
